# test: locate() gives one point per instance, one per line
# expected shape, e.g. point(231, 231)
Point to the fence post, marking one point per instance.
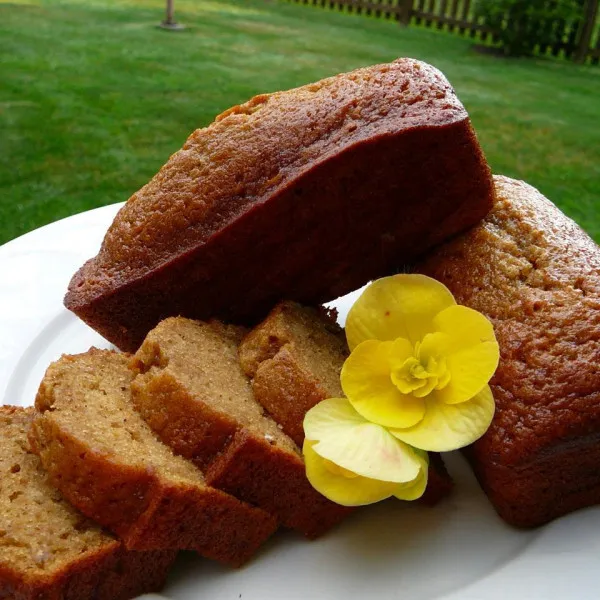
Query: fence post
point(587, 28)
point(405, 9)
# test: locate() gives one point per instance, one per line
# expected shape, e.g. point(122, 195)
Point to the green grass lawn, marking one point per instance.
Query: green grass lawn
point(94, 98)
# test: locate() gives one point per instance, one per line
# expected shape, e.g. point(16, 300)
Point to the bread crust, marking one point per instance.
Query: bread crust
point(275, 480)
point(288, 391)
point(107, 572)
point(439, 482)
point(112, 573)
point(147, 509)
point(353, 176)
point(536, 275)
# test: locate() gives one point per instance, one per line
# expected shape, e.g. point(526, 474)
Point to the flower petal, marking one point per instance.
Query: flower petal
point(343, 437)
point(398, 306)
point(447, 427)
point(330, 417)
point(366, 380)
point(356, 491)
point(465, 326)
point(416, 488)
point(471, 352)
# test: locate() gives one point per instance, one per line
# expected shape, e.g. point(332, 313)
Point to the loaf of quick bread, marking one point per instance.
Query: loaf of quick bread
point(107, 462)
point(302, 195)
point(536, 275)
point(49, 550)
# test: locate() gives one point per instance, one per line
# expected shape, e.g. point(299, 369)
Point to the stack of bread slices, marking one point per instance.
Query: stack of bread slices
point(166, 449)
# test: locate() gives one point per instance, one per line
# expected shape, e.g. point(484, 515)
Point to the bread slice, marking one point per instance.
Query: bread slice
point(193, 393)
point(106, 461)
point(305, 195)
point(294, 358)
point(48, 550)
point(536, 275)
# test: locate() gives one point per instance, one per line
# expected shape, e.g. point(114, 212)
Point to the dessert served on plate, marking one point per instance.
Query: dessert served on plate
point(106, 461)
point(243, 406)
point(295, 357)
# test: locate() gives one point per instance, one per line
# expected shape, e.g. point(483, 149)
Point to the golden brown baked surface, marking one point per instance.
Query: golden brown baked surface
point(193, 393)
point(50, 550)
point(108, 463)
point(294, 358)
point(168, 213)
point(352, 175)
point(536, 275)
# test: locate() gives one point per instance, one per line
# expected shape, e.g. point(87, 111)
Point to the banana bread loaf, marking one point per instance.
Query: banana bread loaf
point(48, 550)
point(303, 195)
point(294, 358)
point(536, 275)
point(193, 393)
point(106, 461)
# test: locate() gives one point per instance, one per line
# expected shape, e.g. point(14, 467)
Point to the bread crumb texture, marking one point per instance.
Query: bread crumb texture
point(294, 358)
point(39, 530)
point(193, 392)
point(49, 550)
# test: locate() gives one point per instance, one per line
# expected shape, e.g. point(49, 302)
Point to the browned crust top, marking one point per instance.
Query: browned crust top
point(255, 150)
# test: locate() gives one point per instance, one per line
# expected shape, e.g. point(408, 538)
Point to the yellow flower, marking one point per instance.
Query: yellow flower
point(420, 363)
point(354, 462)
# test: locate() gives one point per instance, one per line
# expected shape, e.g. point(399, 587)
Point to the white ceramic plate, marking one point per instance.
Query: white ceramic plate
point(459, 550)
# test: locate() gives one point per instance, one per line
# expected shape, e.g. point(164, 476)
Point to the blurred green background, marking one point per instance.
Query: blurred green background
point(94, 98)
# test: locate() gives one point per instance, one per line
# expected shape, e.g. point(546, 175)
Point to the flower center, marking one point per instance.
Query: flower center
point(337, 470)
point(419, 375)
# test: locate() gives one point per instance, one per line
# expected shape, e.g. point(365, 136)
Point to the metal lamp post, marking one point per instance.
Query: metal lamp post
point(169, 22)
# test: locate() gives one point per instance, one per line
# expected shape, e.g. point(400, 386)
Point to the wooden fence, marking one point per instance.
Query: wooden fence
point(578, 40)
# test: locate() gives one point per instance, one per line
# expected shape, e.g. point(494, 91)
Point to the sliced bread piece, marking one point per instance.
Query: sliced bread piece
point(107, 462)
point(294, 358)
point(49, 550)
point(193, 393)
